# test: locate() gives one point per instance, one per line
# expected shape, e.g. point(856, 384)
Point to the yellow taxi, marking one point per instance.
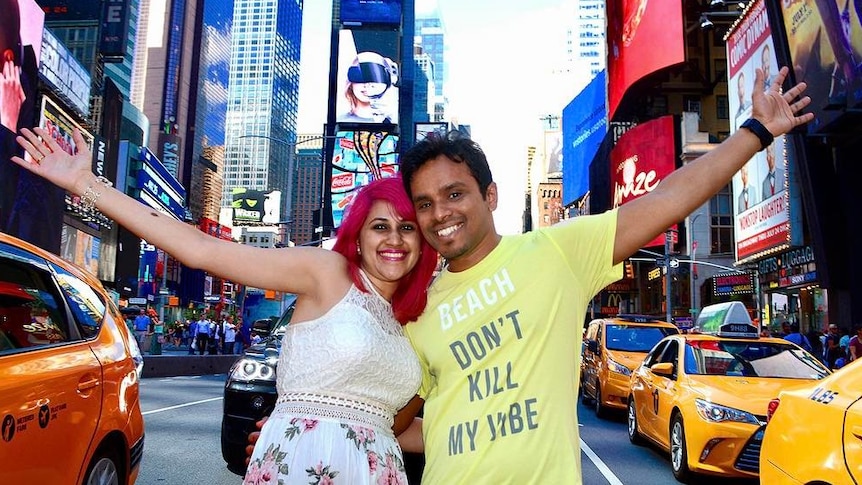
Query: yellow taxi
point(613, 348)
point(814, 434)
point(703, 397)
point(69, 369)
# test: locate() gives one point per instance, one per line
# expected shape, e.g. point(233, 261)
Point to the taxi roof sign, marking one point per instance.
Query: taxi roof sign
point(728, 319)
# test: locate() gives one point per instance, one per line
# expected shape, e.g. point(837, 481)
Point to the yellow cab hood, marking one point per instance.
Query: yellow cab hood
point(629, 359)
point(751, 394)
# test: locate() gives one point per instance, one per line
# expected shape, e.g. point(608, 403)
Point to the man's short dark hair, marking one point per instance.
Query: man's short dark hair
point(455, 146)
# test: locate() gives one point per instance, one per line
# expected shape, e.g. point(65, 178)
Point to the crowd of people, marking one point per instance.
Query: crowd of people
point(203, 335)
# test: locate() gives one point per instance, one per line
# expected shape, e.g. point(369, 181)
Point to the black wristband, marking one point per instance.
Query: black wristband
point(759, 131)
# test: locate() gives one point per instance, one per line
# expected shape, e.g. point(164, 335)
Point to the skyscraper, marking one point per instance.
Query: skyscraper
point(262, 98)
point(430, 35)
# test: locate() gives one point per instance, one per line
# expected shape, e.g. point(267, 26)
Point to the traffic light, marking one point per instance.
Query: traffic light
point(630, 270)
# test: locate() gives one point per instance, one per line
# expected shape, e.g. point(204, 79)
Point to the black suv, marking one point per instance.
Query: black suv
point(249, 392)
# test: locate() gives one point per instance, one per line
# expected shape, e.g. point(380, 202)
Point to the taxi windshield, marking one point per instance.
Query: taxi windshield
point(636, 338)
point(750, 359)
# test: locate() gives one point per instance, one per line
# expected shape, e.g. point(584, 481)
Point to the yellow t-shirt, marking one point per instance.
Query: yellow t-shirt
point(500, 349)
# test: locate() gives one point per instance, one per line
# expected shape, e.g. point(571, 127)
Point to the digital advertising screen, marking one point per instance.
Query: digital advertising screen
point(371, 11)
point(825, 42)
point(584, 125)
point(760, 195)
point(78, 247)
point(641, 159)
point(359, 158)
point(255, 207)
point(422, 130)
point(368, 77)
point(635, 28)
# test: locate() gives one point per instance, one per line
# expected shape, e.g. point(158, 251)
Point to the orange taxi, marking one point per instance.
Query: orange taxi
point(814, 434)
point(613, 348)
point(703, 397)
point(69, 369)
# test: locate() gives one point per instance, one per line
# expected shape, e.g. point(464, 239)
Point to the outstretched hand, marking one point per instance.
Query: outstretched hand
point(49, 160)
point(776, 110)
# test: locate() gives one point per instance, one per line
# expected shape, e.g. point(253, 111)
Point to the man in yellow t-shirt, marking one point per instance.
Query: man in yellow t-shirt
point(499, 341)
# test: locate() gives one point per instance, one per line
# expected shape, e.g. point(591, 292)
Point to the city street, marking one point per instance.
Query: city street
point(183, 418)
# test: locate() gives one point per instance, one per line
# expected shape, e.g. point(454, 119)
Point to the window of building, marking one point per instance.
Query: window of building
point(722, 108)
point(721, 221)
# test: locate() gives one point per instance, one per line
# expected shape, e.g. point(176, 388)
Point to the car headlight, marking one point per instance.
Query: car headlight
point(247, 370)
point(614, 366)
point(717, 413)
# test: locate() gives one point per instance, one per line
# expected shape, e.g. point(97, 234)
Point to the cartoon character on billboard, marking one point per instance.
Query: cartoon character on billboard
point(369, 79)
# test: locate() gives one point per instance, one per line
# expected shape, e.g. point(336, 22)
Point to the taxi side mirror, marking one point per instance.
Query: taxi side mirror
point(593, 346)
point(663, 369)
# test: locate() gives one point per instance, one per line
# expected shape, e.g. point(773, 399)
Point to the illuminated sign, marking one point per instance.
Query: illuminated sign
point(733, 284)
point(159, 189)
point(114, 33)
point(60, 70)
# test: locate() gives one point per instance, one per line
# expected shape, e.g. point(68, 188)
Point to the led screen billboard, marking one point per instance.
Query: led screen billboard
point(635, 29)
point(367, 77)
point(255, 207)
point(422, 130)
point(641, 159)
point(359, 158)
point(760, 187)
point(21, 43)
point(584, 125)
point(825, 42)
point(371, 11)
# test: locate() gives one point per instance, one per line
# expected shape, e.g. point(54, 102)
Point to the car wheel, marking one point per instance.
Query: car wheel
point(634, 435)
point(678, 450)
point(601, 410)
point(585, 399)
point(104, 470)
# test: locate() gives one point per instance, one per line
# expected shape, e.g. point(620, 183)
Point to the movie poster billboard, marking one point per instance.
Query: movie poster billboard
point(635, 29)
point(368, 77)
point(80, 248)
point(641, 159)
point(825, 42)
point(760, 194)
point(359, 158)
point(255, 207)
point(584, 125)
point(371, 11)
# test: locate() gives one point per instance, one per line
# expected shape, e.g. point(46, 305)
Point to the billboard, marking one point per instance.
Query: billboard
point(60, 70)
point(359, 158)
point(634, 31)
point(21, 41)
point(367, 77)
point(641, 159)
point(825, 43)
point(760, 192)
point(78, 247)
point(584, 125)
point(371, 11)
point(255, 207)
point(114, 32)
point(159, 189)
point(423, 129)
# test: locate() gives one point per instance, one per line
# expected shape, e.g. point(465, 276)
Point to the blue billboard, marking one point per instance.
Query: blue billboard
point(585, 122)
point(159, 189)
point(371, 11)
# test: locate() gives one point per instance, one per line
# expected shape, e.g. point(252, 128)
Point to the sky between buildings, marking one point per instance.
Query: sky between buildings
point(506, 69)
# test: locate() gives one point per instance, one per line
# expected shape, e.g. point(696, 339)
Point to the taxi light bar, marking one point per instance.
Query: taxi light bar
point(728, 319)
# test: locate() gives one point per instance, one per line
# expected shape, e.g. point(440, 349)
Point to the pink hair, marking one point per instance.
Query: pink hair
point(411, 296)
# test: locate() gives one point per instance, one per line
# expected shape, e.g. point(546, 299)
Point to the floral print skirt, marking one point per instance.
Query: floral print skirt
point(310, 449)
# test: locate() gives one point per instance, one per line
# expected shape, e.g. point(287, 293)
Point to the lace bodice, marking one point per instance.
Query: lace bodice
point(357, 350)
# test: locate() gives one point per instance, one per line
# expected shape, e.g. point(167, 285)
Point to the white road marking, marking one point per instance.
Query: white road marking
point(608, 474)
point(169, 408)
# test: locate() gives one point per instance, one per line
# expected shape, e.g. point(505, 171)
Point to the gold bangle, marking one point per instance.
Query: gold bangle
point(91, 195)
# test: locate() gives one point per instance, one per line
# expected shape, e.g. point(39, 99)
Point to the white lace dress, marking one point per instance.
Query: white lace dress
point(341, 378)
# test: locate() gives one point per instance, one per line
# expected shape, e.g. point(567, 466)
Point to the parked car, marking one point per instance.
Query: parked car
point(703, 397)
point(814, 434)
point(249, 391)
point(613, 348)
point(69, 375)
